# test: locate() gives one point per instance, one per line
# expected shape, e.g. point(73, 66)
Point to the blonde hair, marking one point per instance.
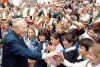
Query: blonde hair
point(30, 28)
point(63, 25)
point(96, 50)
point(60, 25)
point(85, 9)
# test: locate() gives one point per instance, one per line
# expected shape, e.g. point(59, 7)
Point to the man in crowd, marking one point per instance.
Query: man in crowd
point(15, 52)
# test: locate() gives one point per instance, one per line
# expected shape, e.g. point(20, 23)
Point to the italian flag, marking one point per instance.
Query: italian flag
point(65, 18)
point(62, 15)
point(48, 18)
point(25, 12)
point(1, 15)
point(4, 1)
point(45, 12)
point(23, 4)
point(95, 22)
point(39, 21)
point(32, 12)
point(68, 19)
point(5, 16)
point(23, 1)
point(49, 21)
point(6, 4)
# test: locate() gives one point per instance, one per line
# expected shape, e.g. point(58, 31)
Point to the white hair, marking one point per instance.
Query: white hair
point(17, 22)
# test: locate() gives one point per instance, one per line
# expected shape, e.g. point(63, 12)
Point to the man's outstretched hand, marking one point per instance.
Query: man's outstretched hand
point(53, 53)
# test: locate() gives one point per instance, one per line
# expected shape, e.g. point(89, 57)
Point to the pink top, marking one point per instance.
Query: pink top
point(51, 61)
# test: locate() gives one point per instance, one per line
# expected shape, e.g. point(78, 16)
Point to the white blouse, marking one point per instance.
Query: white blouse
point(85, 63)
point(85, 18)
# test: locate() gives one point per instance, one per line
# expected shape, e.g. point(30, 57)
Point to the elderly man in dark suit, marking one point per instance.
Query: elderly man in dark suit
point(15, 52)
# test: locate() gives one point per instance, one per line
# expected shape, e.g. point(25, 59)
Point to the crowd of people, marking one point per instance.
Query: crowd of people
point(61, 34)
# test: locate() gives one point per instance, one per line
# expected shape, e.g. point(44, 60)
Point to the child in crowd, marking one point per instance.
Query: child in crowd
point(83, 49)
point(60, 28)
point(56, 45)
point(78, 33)
point(94, 34)
point(81, 32)
point(30, 39)
point(70, 53)
point(93, 31)
point(42, 44)
point(93, 58)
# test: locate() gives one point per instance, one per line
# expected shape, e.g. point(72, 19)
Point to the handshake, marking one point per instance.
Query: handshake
point(55, 54)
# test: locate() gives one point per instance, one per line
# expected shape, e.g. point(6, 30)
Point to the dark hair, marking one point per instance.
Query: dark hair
point(75, 13)
point(71, 37)
point(78, 32)
point(74, 31)
point(86, 42)
point(96, 38)
point(4, 20)
point(56, 35)
point(31, 17)
point(43, 32)
point(48, 2)
point(95, 29)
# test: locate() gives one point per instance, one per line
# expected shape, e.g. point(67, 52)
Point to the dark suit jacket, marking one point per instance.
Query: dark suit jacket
point(16, 53)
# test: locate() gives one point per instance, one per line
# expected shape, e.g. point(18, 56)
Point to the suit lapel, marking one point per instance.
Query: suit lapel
point(20, 40)
point(23, 43)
